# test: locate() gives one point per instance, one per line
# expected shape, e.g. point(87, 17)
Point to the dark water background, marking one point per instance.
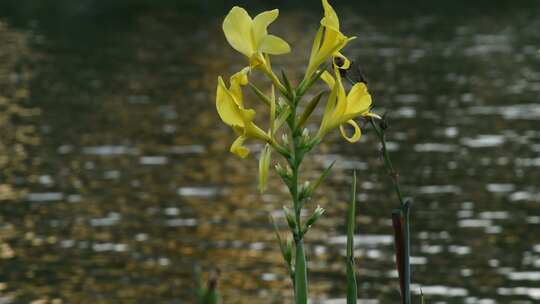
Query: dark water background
point(115, 177)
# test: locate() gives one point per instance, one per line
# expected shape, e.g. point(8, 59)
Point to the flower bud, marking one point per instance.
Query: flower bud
point(289, 216)
point(305, 190)
point(314, 217)
point(285, 139)
point(264, 165)
point(287, 255)
point(282, 103)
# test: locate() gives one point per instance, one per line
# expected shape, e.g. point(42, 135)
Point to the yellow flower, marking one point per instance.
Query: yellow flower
point(328, 41)
point(342, 108)
point(250, 37)
point(230, 107)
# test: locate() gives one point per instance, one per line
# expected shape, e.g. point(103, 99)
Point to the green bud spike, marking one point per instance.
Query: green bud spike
point(313, 218)
point(322, 177)
point(288, 85)
point(284, 173)
point(260, 94)
point(309, 109)
point(289, 215)
point(288, 251)
point(305, 86)
point(282, 117)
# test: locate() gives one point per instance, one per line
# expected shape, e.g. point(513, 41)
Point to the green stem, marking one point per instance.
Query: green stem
point(388, 162)
point(407, 254)
point(300, 274)
point(301, 283)
point(352, 289)
point(405, 211)
point(294, 159)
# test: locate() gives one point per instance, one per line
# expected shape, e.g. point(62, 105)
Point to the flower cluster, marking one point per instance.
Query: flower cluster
point(250, 37)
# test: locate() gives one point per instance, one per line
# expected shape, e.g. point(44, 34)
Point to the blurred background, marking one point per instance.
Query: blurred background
point(116, 180)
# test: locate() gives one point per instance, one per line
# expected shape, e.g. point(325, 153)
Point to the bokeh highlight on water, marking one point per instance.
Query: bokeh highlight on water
point(117, 181)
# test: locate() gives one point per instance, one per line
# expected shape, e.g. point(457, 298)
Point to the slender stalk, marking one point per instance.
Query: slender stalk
point(404, 216)
point(387, 161)
point(352, 288)
point(397, 224)
point(407, 269)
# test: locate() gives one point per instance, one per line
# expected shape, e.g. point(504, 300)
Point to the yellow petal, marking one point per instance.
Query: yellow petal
point(329, 109)
point(371, 114)
point(258, 61)
point(357, 132)
point(237, 80)
point(238, 149)
point(341, 104)
point(346, 62)
point(332, 42)
point(274, 45)
point(226, 105)
point(264, 166)
point(261, 23)
point(336, 107)
point(316, 44)
point(253, 131)
point(237, 29)
point(330, 17)
point(358, 100)
point(328, 78)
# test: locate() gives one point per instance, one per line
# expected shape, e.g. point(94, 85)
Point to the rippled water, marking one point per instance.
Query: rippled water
point(116, 180)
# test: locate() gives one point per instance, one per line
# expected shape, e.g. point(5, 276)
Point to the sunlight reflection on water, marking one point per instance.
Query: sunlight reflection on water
point(118, 176)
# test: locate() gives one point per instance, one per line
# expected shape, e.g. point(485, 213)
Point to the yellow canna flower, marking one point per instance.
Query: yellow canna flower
point(250, 37)
point(328, 41)
point(342, 108)
point(230, 107)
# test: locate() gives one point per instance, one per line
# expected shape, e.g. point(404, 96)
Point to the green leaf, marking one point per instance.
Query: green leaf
point(304, 87)
point(260, 94)
point(282, 118)
point(288, 85)
point(309, 109)
point(321, 178)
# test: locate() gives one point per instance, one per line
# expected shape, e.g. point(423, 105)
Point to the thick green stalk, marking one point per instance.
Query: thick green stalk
point(300, 274)
point(300, 279)
point(295, 159)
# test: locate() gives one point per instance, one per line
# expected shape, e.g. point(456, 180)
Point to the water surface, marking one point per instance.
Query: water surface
point(116, 180)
